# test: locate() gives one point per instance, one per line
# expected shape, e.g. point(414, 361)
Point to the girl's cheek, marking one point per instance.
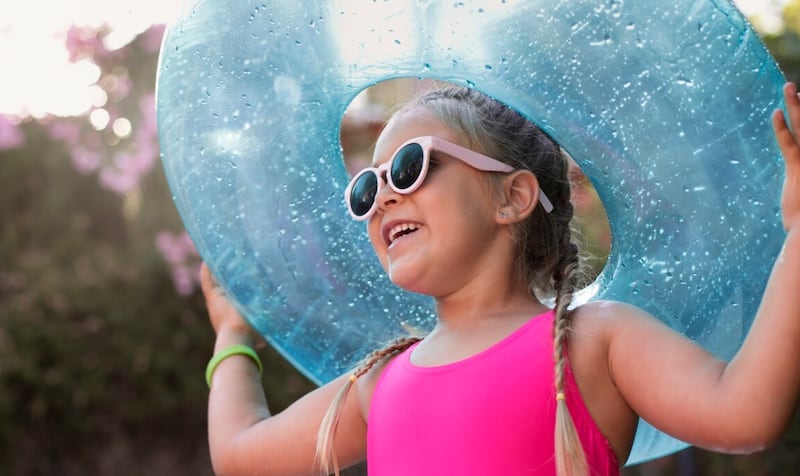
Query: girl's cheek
point(374, 232)
point(378, 246)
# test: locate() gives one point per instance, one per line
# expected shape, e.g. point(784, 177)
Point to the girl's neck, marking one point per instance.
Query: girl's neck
point(474, 312)
point(468, 328)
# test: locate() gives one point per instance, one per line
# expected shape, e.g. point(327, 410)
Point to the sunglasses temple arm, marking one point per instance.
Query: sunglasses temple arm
point(546, 203)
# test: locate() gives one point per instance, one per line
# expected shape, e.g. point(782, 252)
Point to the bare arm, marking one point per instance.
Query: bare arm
point(739, 406)
point(244, 438)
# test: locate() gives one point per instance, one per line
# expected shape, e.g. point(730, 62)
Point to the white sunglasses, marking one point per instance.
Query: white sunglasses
point(406, 171)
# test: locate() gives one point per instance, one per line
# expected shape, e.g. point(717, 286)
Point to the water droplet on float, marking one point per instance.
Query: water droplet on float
point(604, 41)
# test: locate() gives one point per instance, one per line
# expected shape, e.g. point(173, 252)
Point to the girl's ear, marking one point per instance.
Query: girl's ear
point(520, 197)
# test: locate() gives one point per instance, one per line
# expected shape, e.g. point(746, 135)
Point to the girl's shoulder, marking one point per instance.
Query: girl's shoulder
point(595, 329)
point(606, 314)
point(609, 322)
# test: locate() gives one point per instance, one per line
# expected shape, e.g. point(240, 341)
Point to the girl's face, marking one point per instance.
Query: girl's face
point(435, 239)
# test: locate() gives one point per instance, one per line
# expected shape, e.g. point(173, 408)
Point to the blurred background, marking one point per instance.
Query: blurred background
point(103, 332)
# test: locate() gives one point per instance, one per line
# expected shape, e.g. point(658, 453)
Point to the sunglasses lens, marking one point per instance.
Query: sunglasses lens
point(362, 194)
point(406, 166)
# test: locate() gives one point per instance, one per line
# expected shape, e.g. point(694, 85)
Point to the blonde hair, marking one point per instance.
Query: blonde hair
point(326, 451)
point(548, 260)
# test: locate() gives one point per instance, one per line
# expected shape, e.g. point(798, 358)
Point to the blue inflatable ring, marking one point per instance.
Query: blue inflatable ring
point(665, 106)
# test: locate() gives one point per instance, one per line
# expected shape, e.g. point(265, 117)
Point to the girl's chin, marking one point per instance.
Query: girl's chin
point(402, 277)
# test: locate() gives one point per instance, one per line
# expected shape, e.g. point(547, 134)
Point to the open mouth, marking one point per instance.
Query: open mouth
point(400, 231)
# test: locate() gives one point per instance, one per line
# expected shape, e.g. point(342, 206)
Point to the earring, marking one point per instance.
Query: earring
point(502, 214)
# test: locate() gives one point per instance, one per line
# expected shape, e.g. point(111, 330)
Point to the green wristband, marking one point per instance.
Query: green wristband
point(236, 349)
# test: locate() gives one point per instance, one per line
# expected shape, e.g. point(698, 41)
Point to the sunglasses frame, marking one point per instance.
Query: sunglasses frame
point(428, 144)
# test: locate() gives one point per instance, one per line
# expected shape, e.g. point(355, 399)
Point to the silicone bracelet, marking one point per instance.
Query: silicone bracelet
point(236, 349)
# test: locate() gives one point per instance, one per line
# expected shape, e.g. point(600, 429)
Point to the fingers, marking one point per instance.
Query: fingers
point(786, 132)
point(207, 280)
point(792, 104)
point(221, 312)
point(791, 147)
point(782, 134)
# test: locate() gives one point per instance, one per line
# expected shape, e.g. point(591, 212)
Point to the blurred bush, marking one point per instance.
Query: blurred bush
point(103, 335)
point(101, 360)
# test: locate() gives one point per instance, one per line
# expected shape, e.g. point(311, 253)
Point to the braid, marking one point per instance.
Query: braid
point(326, 452)
point(570, 456)
point(390, 350)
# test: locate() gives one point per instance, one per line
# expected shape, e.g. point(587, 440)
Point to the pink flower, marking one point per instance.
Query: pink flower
point(82, 42)
point(180, 254)
point(175, 248)
point(185, 279)
point(85, 161)
point(188, 246)
point(10, 135)
point(147, 106)
point(151, 39)
point(65, 130)
point(118, 181)
point(118, 87)
point(170, 248)
point(128, 169)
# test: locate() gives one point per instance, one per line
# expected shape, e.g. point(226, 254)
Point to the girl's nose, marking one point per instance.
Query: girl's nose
point(386, 196)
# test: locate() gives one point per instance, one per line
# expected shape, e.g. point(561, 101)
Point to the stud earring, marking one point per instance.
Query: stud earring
point(502, 214)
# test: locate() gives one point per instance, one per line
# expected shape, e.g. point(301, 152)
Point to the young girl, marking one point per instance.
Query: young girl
point(468, 202)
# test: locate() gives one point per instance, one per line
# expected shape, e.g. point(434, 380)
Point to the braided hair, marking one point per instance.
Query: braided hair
point(326, 452)
point(547, 259)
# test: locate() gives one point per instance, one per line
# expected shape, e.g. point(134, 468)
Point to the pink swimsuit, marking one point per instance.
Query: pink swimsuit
point(490, 414)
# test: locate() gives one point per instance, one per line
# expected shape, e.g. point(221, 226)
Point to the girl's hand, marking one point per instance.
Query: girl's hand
point(787, 135)
point(224, 317)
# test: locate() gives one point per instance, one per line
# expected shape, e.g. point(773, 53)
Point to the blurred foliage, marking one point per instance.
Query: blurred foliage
point(97, 352)
point(101, 361)
point(785, 46)
point(101, 358)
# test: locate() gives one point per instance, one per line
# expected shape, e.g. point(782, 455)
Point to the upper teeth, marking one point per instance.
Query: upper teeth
point(397, 230)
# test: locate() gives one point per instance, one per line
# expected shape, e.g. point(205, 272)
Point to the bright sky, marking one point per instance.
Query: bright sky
point(37, 78)
point(766, 14)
